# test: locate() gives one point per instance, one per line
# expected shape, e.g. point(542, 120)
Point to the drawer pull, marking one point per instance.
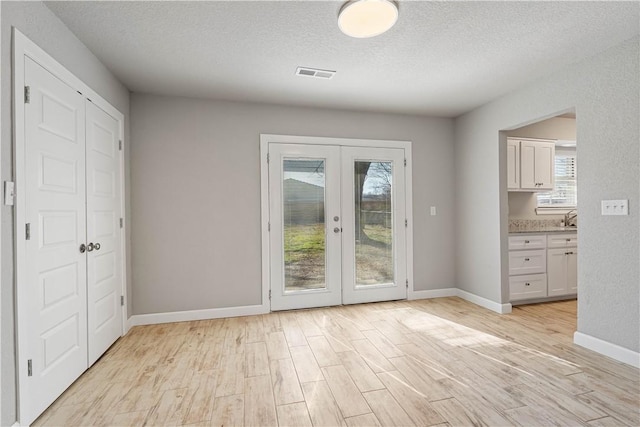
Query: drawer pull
point(568, 240)
point(527, 284)
point(526, 259)
point(526, 241)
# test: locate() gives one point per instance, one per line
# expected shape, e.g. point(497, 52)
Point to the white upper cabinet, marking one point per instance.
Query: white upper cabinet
point(530, 165)
point(513, 164)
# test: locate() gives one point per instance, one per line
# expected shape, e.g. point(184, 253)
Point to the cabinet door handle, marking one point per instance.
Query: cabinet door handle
point(526, 259)
point(527, 284)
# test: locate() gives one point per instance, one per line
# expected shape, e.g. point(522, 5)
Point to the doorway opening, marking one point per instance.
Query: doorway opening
point(540, 246)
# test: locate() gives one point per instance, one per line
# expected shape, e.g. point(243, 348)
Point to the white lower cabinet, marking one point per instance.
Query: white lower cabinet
point(528, 286)
point(527, 262)
point(549, 270)
point(562, 271)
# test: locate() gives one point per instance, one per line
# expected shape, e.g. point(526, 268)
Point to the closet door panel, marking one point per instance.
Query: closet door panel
point(52, 304)
point(104, 284)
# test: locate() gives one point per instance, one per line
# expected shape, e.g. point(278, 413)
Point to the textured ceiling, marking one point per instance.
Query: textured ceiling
point(441, 58)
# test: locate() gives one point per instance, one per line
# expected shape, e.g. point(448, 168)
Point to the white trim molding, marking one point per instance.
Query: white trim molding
point(206, 314)
point(483, 302)
point(467, 296)
point(433, 293)
point(608, 349)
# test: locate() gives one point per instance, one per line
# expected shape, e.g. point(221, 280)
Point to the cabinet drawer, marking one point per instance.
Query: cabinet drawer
point(527, 262)
point(562, 240)
point(530, 286)
point(536, 241)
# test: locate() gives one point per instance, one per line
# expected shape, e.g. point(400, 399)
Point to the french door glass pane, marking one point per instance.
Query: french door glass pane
point(304, 228)
point(373, 223)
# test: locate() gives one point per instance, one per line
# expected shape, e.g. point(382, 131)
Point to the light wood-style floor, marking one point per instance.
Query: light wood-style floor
point(429, 362)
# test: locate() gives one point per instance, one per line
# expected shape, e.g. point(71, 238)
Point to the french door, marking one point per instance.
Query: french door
point(337, 225)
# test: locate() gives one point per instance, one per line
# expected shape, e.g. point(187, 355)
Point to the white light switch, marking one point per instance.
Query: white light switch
point(9, 192)
point(433, 211)
point(615, 207)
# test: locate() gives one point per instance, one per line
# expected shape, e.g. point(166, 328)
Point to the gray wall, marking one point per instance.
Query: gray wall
point(195, 185)
point(38, 23)
point(605, 91)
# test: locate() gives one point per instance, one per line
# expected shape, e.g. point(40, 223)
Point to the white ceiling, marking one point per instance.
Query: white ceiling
point(441, 58)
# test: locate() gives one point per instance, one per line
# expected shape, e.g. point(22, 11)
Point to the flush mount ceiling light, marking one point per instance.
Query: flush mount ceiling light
point(367, 18)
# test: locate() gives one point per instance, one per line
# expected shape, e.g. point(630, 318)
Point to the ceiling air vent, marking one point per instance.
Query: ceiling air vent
point(314, 72)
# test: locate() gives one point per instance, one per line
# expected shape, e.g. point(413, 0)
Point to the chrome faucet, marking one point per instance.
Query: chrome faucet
point(570, 218)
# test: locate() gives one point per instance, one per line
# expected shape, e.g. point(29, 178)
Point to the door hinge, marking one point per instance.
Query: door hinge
point(268, 226)
point(405, 162)
point(27, 94)
point(268, 157)
point(407, 282)
point(269, 294)
point(29, 368)
point(406, 222)
point(122, 300)
point(121, 222)
point(120, 144)
point(27, 231)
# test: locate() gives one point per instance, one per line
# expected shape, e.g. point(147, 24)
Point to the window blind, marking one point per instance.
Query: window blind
point(565, 192)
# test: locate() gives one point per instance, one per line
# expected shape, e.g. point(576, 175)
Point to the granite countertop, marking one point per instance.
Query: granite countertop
point(539, 226)
point(544, 230)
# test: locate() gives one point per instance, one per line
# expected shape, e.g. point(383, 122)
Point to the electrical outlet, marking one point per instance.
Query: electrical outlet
point(615, 207)
point(433, 211)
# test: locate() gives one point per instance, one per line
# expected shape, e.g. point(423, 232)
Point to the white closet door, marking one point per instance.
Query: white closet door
point(104, 283)
point(54, 290)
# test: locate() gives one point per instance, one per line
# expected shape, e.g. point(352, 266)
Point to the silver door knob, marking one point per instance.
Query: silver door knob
point(97, 246)
point(336, 230)
point(90, 247)
point(83, 248)
point(336, 218)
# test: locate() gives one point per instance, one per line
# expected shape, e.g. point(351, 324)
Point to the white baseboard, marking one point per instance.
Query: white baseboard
point(249, 310)
point(433, 293)
point(455, 292)
point(483, 302)
point(185, 316)
point(129, 325)
point(608, 349)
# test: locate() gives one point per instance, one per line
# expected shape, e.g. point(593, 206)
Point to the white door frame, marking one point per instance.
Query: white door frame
point(24, 47)
point(266, 139)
